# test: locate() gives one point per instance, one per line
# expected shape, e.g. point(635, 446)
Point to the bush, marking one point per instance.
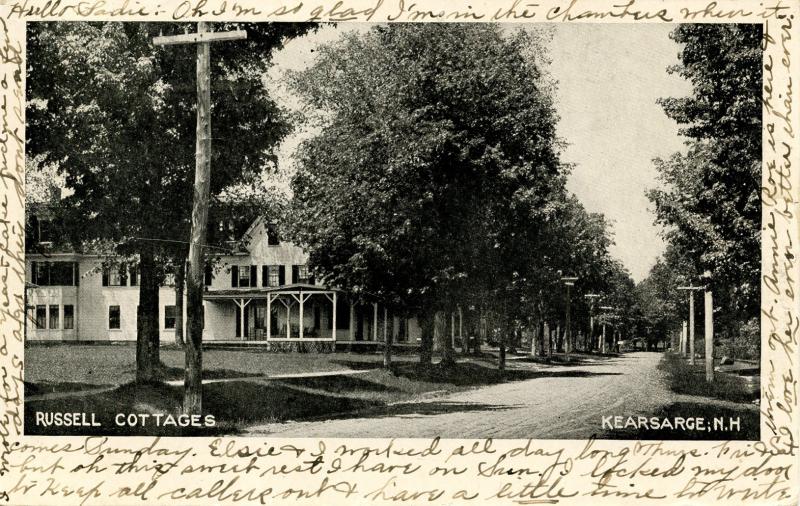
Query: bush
point(746, 344)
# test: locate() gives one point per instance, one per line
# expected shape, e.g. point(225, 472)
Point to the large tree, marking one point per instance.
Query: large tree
point(433, 141)
point(710, 203)
point(116, 114)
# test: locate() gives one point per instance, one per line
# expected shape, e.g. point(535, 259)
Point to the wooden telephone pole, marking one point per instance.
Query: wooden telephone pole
point(569, 282)
point(709, 323)
point(691, 290)
point(193, 386)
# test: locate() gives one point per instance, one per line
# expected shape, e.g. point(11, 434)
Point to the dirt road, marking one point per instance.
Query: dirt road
point(565, 403)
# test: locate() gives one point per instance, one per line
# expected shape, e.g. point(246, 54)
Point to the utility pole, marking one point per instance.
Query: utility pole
point(709, 327)
point(691, 290)
point(569, 282)
point(684, 334)
point(606, 316)
point(193, 386)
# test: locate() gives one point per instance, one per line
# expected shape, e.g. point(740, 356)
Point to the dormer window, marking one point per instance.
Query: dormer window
point(272, 236)
point(45, 231)
point(42, 230)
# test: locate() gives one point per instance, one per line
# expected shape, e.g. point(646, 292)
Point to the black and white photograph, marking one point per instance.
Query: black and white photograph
point(380, 230)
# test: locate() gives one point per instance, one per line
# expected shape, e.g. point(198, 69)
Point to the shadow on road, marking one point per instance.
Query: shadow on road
point(470, 374)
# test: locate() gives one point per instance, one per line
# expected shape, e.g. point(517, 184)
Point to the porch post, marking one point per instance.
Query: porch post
point(241, 318)
point(333, 323)
point(300, 320)
point(269, 316)
point(374, 321)
point(352, 318)
point(288, 321)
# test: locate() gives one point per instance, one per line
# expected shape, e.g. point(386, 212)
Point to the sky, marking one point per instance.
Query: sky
point(609, 78)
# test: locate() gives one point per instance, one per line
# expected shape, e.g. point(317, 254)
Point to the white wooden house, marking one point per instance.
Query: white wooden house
point(262, 295)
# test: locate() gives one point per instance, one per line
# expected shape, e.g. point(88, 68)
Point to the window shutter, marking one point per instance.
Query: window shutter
point(134, 276)
point(265, 275)
point(235, 276)
point(77, 273)
point(253, 276)
point(281, 275)
point(105, 277)
point(295, 273)
point(208, 275)
point(123, 275)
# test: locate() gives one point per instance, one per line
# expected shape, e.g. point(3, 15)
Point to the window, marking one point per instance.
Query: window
point(169, 317)
point(270, 275)
point(301, 274)
point(261, 317)
point(54, 316)
point(69, 316)
point(244, 276)
point(41, 317)
point(272, 236)
point(113, 318)
point(45, 230)
point(134, 272)
point(115, 276)
point(55, 273)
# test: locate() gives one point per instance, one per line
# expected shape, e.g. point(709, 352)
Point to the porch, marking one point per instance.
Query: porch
point(301, 313)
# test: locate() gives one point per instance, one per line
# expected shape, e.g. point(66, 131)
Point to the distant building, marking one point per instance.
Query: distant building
point(263, 295)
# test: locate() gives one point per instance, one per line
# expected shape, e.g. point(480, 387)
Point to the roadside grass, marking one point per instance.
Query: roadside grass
point(717, 416)
point(238, 403)
point(88, 366)
point(684, 378)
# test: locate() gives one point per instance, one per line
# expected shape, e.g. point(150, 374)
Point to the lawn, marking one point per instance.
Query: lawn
point(689, 379)
point(246, 397)
point(116, 364)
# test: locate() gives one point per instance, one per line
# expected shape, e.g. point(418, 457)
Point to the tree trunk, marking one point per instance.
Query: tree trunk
point(387, 348)
point(180, 282)
point(147, 339)
point(426, 343)
point(442, 337)
point(535, 337)
point(483, 325)
point(501, 363)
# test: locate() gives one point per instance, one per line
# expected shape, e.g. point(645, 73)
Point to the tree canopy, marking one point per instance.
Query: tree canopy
point(710, 201)
point(116, 115)
point(428, 134)
point(433, 177)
